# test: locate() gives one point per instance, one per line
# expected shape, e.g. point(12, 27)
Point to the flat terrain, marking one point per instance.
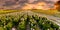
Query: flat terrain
point(47, 13)
point(26, 16)
point(50, 17)
point(8, 11)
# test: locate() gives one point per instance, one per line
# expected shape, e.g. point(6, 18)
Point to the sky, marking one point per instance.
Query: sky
point(18, 4)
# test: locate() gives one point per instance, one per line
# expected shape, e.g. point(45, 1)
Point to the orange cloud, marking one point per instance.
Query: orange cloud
point(39, 5)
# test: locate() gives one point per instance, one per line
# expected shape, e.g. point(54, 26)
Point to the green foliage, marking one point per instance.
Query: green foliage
point(9, 26)
point(19, 21)
point(1, 28)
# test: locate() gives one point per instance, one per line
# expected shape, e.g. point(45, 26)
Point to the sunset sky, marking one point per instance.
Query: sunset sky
point(18, 4)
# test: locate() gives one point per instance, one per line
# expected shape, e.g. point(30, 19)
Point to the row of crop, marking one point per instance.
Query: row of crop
point(45, 24)
point(20, 22)
point(7, 22)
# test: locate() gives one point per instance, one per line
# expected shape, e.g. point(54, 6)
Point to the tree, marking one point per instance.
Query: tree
point(58, 5)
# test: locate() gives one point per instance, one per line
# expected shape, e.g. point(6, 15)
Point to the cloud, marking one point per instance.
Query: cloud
point(11, 4)
point(39, 5)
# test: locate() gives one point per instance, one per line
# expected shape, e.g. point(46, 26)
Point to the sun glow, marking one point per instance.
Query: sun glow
point(39, 5)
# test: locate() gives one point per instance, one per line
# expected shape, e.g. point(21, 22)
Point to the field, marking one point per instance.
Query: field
point(26, 21)
point(57, 15)
point(8, 11)
point(48, 12)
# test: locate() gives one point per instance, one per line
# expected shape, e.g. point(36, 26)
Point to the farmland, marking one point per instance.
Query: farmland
point(47, 12)
point(26, 21)
point(8, 11)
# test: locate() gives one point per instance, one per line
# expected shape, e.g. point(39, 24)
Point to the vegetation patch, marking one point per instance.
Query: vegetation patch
point(23, 20)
